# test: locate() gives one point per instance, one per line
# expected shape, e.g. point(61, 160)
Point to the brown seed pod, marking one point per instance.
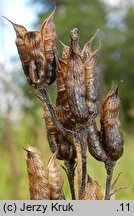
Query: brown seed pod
point(61, 73)
point(34, 47)
point(75, 81)
point(93, 190)
point(20, 34)
point(37, 52)
point(112, 137)
point(94, 145)
point(62, 107)
point(38, 175)
point(64, 149)
point(91, 83)
point(52, 133)
point(55, 179)
point(75, 87)
point(48, 34)
point(58, 143)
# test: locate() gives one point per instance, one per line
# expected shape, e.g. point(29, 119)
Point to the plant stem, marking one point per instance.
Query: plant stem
point(109, 165)
point(43, 90)
point(70, 170)
point(81, 130)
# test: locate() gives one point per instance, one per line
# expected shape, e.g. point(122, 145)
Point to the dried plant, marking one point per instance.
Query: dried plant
point(38, 175)
point(71, 121)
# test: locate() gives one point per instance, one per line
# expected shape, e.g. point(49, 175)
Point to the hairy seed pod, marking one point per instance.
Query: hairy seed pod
point(34, 47)
point(61, 73)
point(37, 52)
point(38, 175)
point(55, 179)
point(52, 133)
point(62, 107)
point(58, 143)
point(48, 33)
point(112, 137)
point(93, 190)
point(75, 87)
point(20, 34)
point(91, 84)
point(64, 149)
point(94, 145)
point(75, 83)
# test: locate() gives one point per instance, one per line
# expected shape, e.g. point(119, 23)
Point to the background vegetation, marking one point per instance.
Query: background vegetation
point(116, 65)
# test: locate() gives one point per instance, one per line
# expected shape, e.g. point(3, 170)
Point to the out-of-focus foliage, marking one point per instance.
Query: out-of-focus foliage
point(118, 61)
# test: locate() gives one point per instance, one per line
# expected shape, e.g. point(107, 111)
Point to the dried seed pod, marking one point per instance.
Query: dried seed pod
point(61, 73)
point(112, 137)
point(75, 83)
point(20, 34)
point(64, 149)
point(34, 47)
point(94, 145)
point(93, 190)
point(52, 133)
point(48, 34)
point(38, 62)
point(75, 88)
point(62, 107)
point(38, 175)
point(55, 179)
point(91, 84)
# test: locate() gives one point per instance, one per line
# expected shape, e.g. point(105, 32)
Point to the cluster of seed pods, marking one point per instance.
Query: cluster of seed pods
point(77, 96)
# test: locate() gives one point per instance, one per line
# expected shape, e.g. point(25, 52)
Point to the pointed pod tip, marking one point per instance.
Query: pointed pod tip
point(52, 159)
point(62, 44)
point(8, 20)
point(31, 150)
point(51, 15)
point(54, 10)
point(117, 90)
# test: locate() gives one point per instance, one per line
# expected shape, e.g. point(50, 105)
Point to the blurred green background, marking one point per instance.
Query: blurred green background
point(21, 113)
